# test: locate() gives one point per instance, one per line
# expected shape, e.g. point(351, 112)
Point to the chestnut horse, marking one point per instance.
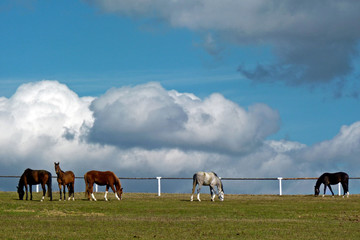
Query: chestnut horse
point(107, 178)
point(65, 179)
point(33, 177)
point(330, 179)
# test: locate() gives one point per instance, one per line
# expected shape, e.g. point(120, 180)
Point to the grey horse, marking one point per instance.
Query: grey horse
point(207, 179)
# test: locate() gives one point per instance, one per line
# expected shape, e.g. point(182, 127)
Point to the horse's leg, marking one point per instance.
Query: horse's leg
point(331, 190)
point(60, 191)
point(64, 186)
point(30, 188)
point(69, 191)
point(26, 189)
point(87, 190)
point(324, 190)
point(193, 190)
point(345, 188)
point(198, 192)
point(212, 193)
point(106, 192)
point(73, 190)
point(91, 187)
point(112, 187)
point(44, 191)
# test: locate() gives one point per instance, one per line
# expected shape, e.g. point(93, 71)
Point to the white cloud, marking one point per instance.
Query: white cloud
point(314, 42)
point(150, 117)
point(146, 130)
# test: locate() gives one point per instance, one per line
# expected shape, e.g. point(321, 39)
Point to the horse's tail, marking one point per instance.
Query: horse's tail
point(86, 185)
point(49, 184)
point(346, 180)
point(194, 182)
point(72, 184)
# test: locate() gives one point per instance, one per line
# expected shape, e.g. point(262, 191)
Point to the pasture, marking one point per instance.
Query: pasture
point(173, 216)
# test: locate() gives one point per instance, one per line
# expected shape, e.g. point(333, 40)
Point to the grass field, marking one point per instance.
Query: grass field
point(173, 216)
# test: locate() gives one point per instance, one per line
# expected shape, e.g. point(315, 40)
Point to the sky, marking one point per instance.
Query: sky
point(260, 88)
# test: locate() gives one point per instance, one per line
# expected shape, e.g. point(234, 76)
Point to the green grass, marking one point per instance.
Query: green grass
point(173, 216)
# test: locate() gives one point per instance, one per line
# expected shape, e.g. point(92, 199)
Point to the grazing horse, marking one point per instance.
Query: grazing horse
point(65, 179)
point(33, 177)
point(107, 178)
point(208, 179)
point(330, 179)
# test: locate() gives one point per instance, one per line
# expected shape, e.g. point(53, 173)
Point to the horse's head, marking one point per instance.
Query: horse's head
point(120, 192)
point(221, 196)
point(317, 191)
point(21, 192)
point(57, 167)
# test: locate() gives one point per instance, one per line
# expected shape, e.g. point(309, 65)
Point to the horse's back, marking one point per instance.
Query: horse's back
point(205, 178)
point(70, 173)
point(36, 176)
point(334, 178)
point(100, 177)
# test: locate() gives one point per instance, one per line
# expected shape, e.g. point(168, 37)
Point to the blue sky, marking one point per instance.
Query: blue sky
point(94, 46)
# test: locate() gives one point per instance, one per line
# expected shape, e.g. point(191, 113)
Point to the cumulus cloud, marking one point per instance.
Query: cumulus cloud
point(150, 117)
point(146, 130)
point(314, 42)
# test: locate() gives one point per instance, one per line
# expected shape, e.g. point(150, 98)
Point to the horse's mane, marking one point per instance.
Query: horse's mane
point(320, 181)
point(117, 180)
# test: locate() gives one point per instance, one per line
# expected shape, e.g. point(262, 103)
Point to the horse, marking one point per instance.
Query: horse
point(65, 179)
point(208, 179)
point(33, 177)
point(330, 179)
point(107, 178)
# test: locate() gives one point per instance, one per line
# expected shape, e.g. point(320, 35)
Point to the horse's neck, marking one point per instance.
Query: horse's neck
point(319, 182)
point(60, 173)
point(22, 181)
point(219, 185)
point(117, 183)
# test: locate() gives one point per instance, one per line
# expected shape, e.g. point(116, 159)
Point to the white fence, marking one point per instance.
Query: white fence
point(160, 179)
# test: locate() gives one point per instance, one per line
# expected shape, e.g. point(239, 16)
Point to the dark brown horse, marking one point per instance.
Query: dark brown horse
point(33, 177)
point(330, 179)
point(65, 179)
point(107, 178)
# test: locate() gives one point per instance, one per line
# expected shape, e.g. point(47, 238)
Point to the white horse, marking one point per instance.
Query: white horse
point(207, 179)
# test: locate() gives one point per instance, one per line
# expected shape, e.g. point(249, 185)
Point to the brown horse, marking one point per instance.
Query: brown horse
point(65, 179)
point(107, 178)
point(33, 177)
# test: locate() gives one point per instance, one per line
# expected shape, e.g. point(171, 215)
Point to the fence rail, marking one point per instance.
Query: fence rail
point(279, 179)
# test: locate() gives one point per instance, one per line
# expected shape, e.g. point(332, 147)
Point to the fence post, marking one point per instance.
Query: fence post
point(280, 187)
point(37, 187)
point(159, 186)
point(96, 187)
point(339, 189)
